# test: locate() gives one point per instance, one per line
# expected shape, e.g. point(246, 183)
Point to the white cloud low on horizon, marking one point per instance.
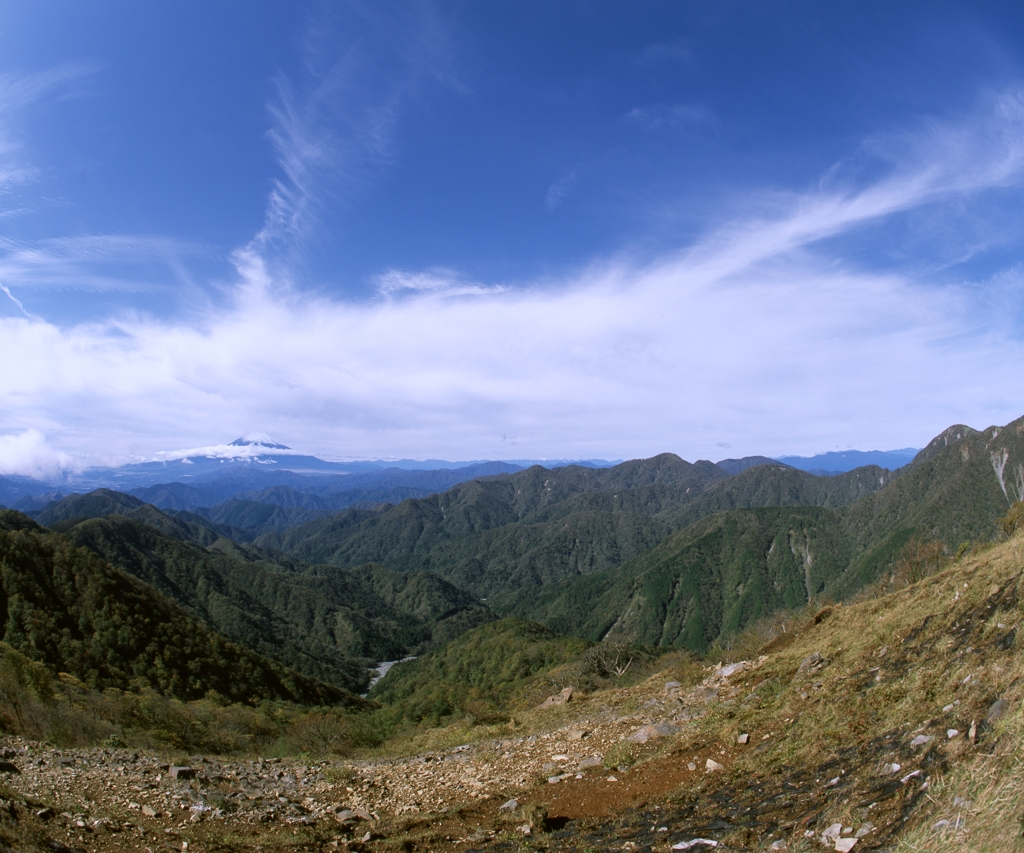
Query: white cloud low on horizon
point(755, 340)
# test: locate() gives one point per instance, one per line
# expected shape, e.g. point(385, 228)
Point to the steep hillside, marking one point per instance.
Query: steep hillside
point(720, 574)
point(65, 607)
point(954, 491)
point(713, 578)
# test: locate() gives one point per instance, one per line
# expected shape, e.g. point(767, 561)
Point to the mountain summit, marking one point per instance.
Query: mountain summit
point(258, 439)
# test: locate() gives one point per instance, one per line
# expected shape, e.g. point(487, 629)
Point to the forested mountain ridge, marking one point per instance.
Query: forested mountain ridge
point(719, 574)
point(505, 535)
point(328, 624)
point(74, 612)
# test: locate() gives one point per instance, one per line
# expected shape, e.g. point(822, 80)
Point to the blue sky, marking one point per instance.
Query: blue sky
point(507, 230)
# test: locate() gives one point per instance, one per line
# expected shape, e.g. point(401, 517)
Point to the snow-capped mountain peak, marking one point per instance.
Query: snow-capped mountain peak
point(258, 439)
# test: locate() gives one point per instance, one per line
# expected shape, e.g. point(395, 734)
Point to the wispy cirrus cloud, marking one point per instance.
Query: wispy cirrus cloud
point(670, 116)
point(756, 336)
point(17, 92)
point(101, 262)
point(334, 123)
point(559, 190)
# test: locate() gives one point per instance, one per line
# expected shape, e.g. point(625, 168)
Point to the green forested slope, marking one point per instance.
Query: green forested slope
point(721, 573)
point(67, 608)
point(482, 670)
point(713, 578)
point(505, 536)
point(323, 621)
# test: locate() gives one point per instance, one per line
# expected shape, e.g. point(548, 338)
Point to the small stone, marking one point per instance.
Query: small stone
point(921, 740)
point(576, 734)
point(713, 765)
point(834, 831)
point(996, 710)
point(812, 663)
point(149, 811)
point(864, 830)
point(653, 732)
point(733, 668)
point(591, 762)
point(844, 845)
point(559, 757)
point(611, 779)
point(973, 732)
point(557, 699)
point(778, 845)
point(181, 773)
point(691, 766)
point(554, 780)
point(671, 685)
point(951, 733)
point(889, 769)
point(961, 803)
point(743, 738)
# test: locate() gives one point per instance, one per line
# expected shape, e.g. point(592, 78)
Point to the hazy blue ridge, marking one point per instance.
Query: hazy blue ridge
point(839, 461)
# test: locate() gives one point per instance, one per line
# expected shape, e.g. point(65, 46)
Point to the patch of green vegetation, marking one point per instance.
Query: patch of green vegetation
point(484, 672)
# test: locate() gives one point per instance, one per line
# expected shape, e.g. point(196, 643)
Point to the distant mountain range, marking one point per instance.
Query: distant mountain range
point(254, 468)
point(838, 462)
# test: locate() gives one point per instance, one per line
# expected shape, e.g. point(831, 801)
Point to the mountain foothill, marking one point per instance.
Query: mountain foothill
point(292, 589)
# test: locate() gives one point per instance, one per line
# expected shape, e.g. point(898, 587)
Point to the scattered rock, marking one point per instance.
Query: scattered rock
point(591, 762)
point(653, 732)
point(509, 806)
point(996, 710)
point(149, 811)
point(743, 739)
point(830, 834)
point(951, 733)
point(576, 734)
point(844, 845)
point(691, 766)
point(733, 668)
point(557, 699)
point(812, 663)
point(672, 685)
point(713, 765)
point(181, 773)
point(864, 830)
point(345, 815)
point(922, 740)
point(696, 842)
